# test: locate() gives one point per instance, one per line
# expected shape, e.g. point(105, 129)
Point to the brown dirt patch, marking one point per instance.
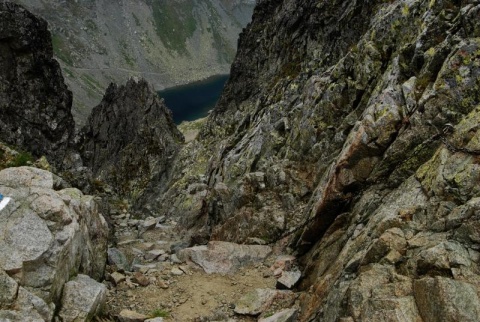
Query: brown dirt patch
point(191, 296)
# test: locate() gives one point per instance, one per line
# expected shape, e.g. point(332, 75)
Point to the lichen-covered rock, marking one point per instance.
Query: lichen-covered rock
point(35, 104)
point(47, 236)
point(130, 140)
point(8, 289)
point(352, 129)
point(117, 257)
point(444, 299)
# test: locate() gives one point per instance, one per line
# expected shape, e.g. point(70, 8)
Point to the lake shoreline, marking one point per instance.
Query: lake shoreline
point(195, 100)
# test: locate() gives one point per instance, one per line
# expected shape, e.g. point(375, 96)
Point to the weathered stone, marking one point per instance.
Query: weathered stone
point(176, 271)
point(140, 279)
point(444, 299)
point(283, 262)
point(288, 315)
point(288, 279)
point(149, 224)
point(128, 241)
point(118, 278)
point(143, 268)
point(223, 257)
point(83, 298)
point(346, 319)
point(154, 254)
point(176, 247)
point(174, 259)
point(147, 246)
point(155, 320)
point(131, 316)
point(162, 284)
point(20, 316)
point(117, 257)
point(260, 300)
point(8, 289)
point(256, 241)
point(32, 306)
point(165, 257)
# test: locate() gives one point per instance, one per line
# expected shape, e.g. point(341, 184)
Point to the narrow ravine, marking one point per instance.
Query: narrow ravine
point(149, 276)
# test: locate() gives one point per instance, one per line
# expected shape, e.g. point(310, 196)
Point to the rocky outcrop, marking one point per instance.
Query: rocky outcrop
point(48, 235)
point(130, 140)
point(350, 128)
point(34, 100)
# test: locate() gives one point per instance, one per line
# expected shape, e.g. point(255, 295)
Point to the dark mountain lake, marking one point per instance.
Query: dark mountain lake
point(193, 101)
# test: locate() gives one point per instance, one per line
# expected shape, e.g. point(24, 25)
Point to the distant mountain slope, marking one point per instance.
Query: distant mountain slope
point(166, 42)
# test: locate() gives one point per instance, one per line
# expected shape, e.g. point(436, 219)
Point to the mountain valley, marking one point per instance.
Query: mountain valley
point(337, 178)
point(165, 42)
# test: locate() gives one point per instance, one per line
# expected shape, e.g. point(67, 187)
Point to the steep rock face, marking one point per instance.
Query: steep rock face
point(48, 235)
point(34, 100)
point(352, 128)
point(166, 42)
point(130, 139)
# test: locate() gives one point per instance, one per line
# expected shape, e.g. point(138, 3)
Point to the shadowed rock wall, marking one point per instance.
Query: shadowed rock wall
point(130, 140)
point(35, 104)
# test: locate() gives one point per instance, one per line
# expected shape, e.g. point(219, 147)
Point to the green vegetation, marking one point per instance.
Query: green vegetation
point(91, 25)
point(129, 60)
point(67, 72)
point(159, 313)
point(10, 158)
point(126, 56)
point(268, 314)
point(175, 23)
point(226, 52)
point(92, 82)
point(21, 159)
point(60, 49)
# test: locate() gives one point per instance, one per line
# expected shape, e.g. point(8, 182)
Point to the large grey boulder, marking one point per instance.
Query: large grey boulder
point(46, 238)
point(223, 257)
point(82, 299)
